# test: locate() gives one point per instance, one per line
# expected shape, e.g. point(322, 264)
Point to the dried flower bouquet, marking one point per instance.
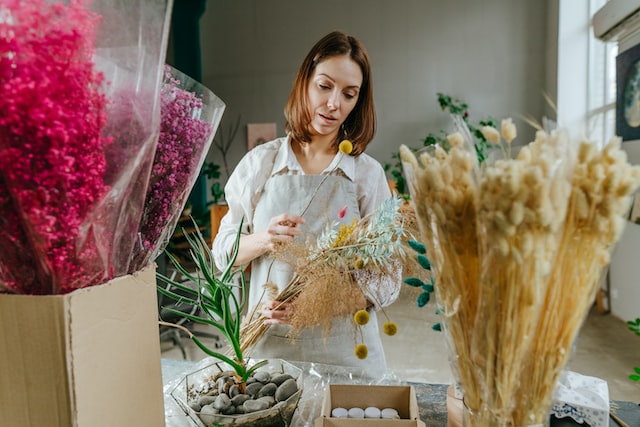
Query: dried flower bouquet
point(189, 117)
point(517, 247)
point(330, 273)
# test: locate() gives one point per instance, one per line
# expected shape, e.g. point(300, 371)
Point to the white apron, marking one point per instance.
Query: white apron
point(291, 193)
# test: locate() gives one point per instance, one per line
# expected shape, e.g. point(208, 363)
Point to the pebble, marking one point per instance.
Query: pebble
point(234, 390)
point(222, 402)
point(206, 400)
point(262, 376)
point(280, 378)
point(209, 410)
point(268, 390)
point(286, 390)
point(239, 399)
point(208, 414)
point(255, 405)
point(254, 388)
point(269, 399)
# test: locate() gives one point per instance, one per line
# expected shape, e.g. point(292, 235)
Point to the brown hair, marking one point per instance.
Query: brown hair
point(360, 125)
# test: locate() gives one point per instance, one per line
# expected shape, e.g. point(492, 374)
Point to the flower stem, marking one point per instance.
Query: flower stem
point(324, 178)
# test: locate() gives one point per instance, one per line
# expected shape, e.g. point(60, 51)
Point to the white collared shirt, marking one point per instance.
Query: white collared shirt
point(246, 183)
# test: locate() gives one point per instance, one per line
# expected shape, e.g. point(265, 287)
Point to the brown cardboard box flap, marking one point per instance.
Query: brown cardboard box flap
point(88, 358)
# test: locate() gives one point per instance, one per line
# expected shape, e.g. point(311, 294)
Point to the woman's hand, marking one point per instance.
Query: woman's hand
point(276, 312)
point(282, 228)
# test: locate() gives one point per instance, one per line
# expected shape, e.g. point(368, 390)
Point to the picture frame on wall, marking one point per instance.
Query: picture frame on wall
point(628, 94)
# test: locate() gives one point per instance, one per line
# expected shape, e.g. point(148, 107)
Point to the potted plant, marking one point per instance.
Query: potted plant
point(458, 108)
point(233, 389)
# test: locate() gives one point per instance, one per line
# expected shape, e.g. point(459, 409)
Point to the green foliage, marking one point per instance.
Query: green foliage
point(215, 297)
point(427, 288)
point(455, 107)
point(418, 247)
point(212, 171)
point(424, 262)
point(634, 326)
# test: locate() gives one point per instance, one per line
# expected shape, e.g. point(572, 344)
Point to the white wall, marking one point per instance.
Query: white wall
point(624, 273)
point(491, 53)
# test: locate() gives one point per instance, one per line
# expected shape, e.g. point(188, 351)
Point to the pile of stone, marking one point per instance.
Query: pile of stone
point(222, 396)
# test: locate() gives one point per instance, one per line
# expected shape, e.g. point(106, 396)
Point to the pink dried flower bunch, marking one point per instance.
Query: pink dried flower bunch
point(52, 157)
point(183, 143)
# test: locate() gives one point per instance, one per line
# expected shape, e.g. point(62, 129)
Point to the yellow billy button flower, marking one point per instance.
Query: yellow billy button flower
point(345, 146)
point(390, 328)
point(361, 351)
point(361, 317)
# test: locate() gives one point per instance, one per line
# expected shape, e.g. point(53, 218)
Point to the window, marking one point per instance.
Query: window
point(601, 89)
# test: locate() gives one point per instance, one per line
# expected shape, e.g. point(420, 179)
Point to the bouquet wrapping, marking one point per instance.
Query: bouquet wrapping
point(190, 115)
point(79, 122)
point(517, 247)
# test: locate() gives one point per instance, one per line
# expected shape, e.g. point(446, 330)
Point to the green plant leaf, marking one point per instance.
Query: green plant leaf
point(634, 377)
point(414, 281)
point(428, 287)
point(417, 246)
point(214, 297)
point(254, 368)
point(423, 299)
point(424, 262)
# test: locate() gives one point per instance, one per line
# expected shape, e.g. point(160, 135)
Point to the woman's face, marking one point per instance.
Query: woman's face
point(333, 93)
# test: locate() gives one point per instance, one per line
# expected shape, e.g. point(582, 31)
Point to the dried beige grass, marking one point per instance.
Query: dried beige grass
point(324, 285)
point(517, 250)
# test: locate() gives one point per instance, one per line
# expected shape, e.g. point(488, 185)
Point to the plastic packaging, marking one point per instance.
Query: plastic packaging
point(190, 115)
point(78, 134)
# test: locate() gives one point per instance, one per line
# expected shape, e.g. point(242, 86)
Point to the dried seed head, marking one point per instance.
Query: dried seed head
point(455, 139)
point(346, 146)
point(508, 130)
point(361, 317)
point(491, 134)
point(390, 328)
point(361, 351)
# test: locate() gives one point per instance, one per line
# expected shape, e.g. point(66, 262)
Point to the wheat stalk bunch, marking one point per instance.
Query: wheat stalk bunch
point(601, 184)
point(517, 248)
point(444, 194)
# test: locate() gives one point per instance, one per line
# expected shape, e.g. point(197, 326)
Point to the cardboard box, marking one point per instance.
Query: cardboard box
point(401, 398)
point(89, 358)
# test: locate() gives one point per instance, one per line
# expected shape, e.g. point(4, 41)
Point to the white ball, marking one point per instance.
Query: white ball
point(356, 413)
point(372, 412)
point(339, 413)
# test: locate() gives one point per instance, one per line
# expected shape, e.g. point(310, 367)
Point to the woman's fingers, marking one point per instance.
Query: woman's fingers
point(276, 313)
point(283, 228)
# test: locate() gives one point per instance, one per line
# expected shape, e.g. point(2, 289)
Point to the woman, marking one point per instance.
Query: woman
point(280, 191)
